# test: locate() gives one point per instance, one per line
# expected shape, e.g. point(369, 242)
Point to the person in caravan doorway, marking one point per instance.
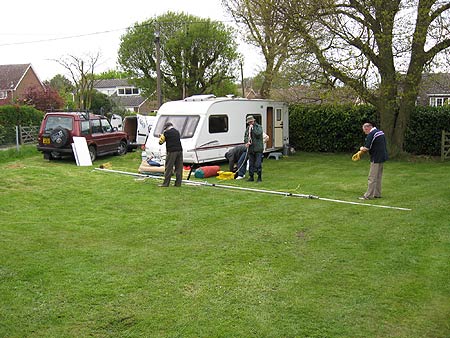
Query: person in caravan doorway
point(253, 139)
point(174, 154)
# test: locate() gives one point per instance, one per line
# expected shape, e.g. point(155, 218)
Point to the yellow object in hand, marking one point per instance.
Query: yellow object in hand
point(162, 139)
point(357, 156)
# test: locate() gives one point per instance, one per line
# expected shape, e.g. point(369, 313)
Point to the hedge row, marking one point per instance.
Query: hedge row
point(14, 115)
point(424, 133)
point(327, 128)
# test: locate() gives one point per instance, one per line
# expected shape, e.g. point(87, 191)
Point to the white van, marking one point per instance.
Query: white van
point(136, 126)
point(210, 126)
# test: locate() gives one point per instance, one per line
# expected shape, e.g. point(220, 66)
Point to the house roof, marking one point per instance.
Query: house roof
point(111, 83)
point(11, 75)
point(436, 83)
point(129, 101)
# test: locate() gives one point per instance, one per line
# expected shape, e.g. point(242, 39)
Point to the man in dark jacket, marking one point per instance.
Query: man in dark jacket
point(375, 144)
point(253, 139)
point(237, 157)
point(174, 154)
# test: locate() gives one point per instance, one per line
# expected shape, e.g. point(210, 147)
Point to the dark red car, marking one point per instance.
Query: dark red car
point(57, 129)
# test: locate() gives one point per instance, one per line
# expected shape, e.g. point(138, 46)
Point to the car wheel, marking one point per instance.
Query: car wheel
point(59, 137)
point(122, 149)
point(92, 153)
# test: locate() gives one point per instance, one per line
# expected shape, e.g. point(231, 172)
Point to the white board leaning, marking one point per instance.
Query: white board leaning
point(81, 151)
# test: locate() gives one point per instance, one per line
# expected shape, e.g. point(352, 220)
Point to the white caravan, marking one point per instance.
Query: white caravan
point(210, 126)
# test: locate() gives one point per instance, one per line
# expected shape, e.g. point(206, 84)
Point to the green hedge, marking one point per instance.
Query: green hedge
point(328, 128)
point(14, 115)
point(424, 132)
point(337, 128)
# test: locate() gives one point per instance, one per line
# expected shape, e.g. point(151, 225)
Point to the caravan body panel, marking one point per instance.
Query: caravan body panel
point(210, 126)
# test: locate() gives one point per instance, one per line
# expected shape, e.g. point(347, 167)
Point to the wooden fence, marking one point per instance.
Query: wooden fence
point(28, 134)
point(445, 145)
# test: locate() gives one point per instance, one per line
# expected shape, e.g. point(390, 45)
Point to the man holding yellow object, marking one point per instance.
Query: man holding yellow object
point(375, 144)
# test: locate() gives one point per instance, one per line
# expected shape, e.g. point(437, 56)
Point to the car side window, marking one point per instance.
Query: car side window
point(96, 127)
point(84, 127)
point(106, 126)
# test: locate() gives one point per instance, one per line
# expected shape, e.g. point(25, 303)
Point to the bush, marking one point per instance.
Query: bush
point(328, 128)
point(14, 115)
point(423, 135)
point(336, 128)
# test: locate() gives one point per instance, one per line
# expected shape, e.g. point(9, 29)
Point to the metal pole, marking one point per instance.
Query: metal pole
point(17, 138)
point(287, 194)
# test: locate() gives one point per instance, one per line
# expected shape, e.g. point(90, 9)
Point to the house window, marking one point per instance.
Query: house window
point(438, 101)
point(3, 94)
point(128, 91)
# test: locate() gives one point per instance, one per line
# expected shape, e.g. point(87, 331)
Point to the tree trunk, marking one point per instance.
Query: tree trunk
point(266, 86)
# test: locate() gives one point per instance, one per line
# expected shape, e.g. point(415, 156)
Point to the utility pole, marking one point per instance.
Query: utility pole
point(158, 69)
point(242, 80)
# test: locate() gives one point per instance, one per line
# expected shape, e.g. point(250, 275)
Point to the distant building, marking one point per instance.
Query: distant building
point(15, 80)
point(125, 95)
point(434, 90)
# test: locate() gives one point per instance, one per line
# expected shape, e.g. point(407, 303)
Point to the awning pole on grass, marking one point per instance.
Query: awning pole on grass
point(273, 192)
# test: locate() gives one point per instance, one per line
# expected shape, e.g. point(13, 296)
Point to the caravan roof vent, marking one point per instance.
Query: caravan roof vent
point(199, 98)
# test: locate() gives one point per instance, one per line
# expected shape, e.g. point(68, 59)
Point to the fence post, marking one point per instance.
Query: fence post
point(17, 138)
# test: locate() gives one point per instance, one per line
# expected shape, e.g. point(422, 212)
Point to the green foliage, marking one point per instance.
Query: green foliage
point(14, 115)
point(423, 134)
point(101, 103)
point(112, 74)
point(197, 55)
point(328, 128)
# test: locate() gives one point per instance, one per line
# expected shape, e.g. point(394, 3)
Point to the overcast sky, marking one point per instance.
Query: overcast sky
point(39, 32)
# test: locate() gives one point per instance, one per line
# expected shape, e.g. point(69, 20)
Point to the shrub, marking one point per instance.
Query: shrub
point(423, 135)
point(14, 115)
point(328, 128)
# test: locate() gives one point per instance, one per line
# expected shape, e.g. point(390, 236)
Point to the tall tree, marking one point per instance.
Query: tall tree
point(197, 55)
point(65, 89)
point(81, 70)
point(378, 47)
point(265, 29)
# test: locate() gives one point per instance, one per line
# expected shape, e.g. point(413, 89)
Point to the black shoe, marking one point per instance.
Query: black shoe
point(259, 179)
point(251, 179)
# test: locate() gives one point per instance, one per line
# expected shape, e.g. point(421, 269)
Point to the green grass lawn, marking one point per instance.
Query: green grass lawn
point(85, 253)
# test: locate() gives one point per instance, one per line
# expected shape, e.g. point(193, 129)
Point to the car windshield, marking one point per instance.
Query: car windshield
point(59, 121)
point(185, 124)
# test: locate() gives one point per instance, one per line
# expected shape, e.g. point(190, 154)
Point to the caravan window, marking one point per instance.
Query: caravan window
point(257, 117)
point(218, 124)
point(185, 124)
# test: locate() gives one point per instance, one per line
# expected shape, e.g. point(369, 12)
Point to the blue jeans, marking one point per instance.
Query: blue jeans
point(242, 164)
